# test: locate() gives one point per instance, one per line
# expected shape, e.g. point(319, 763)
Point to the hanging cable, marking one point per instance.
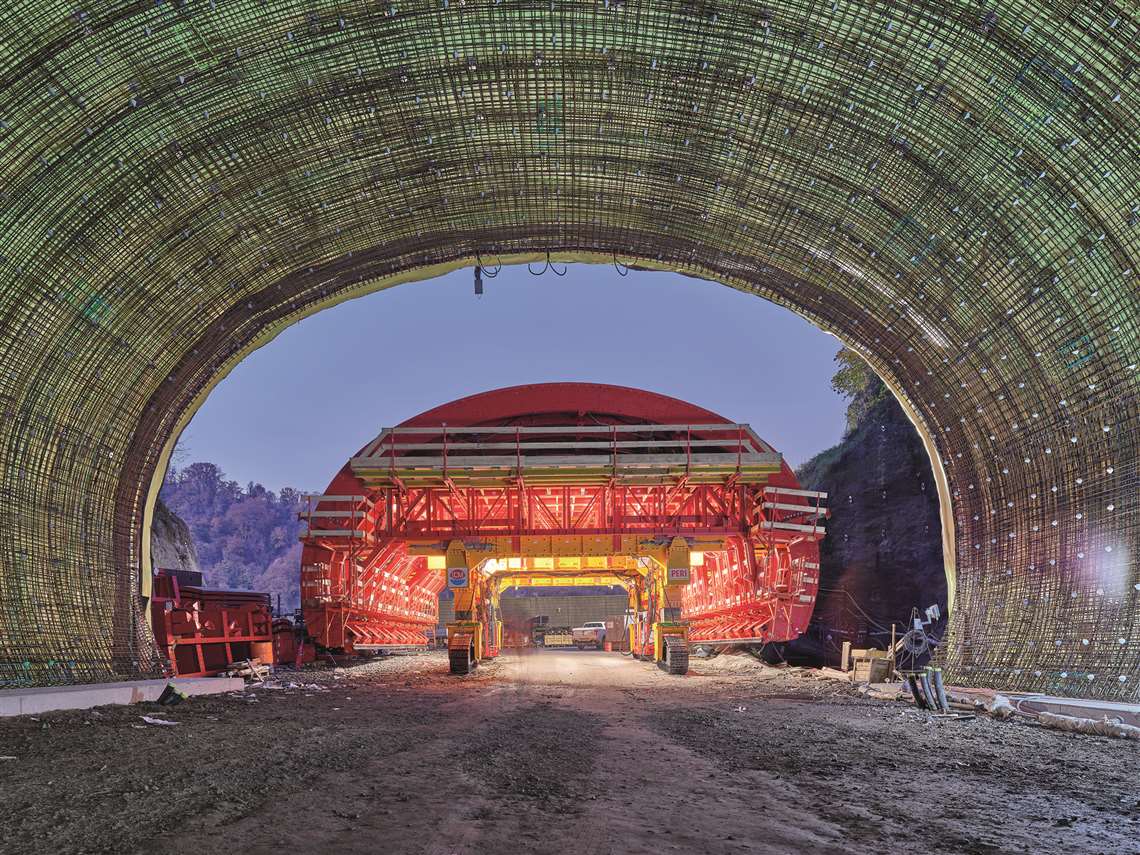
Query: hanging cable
point(550, 265)
point(858, 607)
point(490, 274)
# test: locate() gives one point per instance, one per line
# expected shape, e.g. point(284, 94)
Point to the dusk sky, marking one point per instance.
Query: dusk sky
point(294, 411)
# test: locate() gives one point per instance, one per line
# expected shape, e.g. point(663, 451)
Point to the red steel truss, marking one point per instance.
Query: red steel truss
point(561, 469)
point(367, 595)
point(420, 513)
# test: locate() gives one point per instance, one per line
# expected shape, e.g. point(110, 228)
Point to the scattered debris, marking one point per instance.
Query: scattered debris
point(251, 669)
point(278, 685)
point(1075, 724)
point(827, 673)
point(885, 692)
point(1000, 707)
point(152, 720)
point(171, 695)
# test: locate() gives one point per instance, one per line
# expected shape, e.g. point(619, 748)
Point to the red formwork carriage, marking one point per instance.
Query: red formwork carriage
point(203, 631)
point(565, 468)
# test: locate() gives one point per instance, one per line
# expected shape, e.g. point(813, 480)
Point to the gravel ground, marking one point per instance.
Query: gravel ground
point(557, 751)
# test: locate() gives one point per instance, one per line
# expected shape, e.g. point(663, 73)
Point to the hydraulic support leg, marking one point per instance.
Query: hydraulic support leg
point(477, 632)
point(462, 644)
point(670, 633)
point(465, 634)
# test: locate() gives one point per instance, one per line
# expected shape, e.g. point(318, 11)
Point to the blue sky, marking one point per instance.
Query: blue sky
point(293, 412)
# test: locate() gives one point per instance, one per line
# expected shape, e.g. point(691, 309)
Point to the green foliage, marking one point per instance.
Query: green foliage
point(856, 381)
point(811, 473)
point(246, 538)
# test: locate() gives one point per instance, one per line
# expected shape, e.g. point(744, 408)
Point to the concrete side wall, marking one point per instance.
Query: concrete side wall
point(51, 698)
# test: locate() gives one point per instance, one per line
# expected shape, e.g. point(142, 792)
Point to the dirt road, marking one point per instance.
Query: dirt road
point(557, 752)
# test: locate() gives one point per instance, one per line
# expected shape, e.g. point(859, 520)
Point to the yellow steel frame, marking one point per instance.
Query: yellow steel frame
point(493, 566)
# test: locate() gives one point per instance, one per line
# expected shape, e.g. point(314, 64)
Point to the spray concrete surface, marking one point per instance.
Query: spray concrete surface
point(556, 752)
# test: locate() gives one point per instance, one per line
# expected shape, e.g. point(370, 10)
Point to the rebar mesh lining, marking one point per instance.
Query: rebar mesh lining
point(950, 188)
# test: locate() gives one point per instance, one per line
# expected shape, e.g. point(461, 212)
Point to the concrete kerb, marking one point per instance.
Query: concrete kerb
point(32, 701)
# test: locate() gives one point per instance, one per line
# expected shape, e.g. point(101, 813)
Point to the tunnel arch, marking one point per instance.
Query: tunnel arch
point(949, 188)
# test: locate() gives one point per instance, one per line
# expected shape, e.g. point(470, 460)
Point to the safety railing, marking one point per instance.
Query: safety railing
point(587, 454)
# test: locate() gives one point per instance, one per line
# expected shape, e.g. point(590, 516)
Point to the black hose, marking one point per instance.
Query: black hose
point(919, 700)
point(927, 691)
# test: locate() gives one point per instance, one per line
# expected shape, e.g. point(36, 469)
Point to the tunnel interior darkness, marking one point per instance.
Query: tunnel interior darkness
point(950, 188)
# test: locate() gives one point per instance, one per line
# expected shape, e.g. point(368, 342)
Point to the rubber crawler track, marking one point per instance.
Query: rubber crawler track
point(676, 656)
point(461, 661)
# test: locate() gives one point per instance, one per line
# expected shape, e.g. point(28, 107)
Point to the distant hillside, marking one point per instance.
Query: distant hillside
point(245, 537)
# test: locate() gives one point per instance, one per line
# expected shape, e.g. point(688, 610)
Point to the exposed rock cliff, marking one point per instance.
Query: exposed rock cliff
point(171, 546)
point(883, 549)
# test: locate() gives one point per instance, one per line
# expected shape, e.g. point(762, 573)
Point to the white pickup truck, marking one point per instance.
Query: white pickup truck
point(590, 634)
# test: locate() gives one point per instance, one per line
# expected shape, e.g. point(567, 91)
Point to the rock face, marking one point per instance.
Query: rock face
point(883, 549)
point(171, 546)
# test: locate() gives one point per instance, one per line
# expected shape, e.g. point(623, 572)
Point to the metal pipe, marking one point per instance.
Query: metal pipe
point(940, 689)
point(927, 691)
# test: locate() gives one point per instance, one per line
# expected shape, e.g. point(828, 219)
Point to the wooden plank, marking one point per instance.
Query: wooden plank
point(488, 446)
point(811, 529)
point(788, 491)
point(799, 509)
